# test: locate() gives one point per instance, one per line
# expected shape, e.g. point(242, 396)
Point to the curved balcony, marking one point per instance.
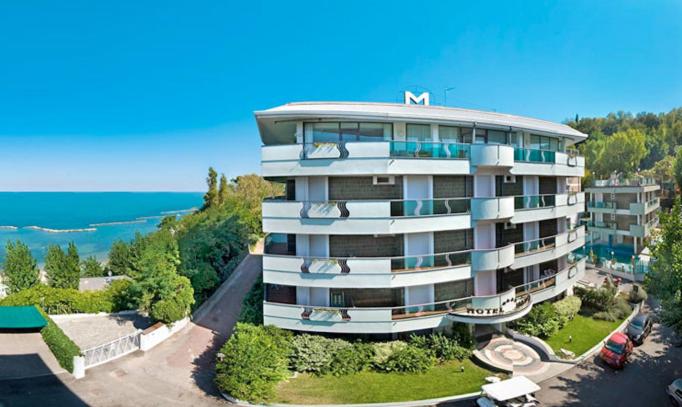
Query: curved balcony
point(492, 155)
point(366, 217)
point(492, 208)
point(369, 272)
point(411, 157)
point(492, 259)
point(493, 309)
point(548, 248)
point(530, 208)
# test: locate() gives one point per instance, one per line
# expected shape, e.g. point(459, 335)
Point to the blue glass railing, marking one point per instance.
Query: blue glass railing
point(426, 207)
point(534, 156)
point(422, 149)
point(534, 201)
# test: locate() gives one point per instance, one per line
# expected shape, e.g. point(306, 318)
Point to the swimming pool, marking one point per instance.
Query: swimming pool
point(622, 254)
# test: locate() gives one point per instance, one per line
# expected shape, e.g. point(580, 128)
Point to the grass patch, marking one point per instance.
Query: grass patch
point(586, 332)
point(373, 387)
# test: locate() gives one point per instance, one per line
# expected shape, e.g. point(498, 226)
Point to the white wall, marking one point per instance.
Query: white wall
point(485, 282)
point(484, 186)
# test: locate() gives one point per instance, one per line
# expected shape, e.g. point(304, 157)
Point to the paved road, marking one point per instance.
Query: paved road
point(642, 383)
point(176, 373)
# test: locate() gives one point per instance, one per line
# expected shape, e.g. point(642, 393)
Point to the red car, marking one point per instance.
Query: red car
point(616, 350)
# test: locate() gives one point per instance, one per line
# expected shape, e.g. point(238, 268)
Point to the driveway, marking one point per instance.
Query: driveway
point(26, 355)
point(94, 330)
point(178, 372)
point(642, 383)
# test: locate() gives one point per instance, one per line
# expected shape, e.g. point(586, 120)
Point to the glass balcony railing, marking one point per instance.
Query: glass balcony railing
point(431, 261)
point(625, 182)
point(601, 205)
point(534, 201)
point(536, 245)
point(427, 149)
point(426, 207)
point(534, 156)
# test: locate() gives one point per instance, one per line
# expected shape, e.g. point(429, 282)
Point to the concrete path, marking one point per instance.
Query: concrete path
point(178, 372)
point(26, 355)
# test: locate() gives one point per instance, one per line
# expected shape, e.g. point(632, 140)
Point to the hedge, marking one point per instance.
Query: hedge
point(69, 301)
point(253, 361)
point(62, 347)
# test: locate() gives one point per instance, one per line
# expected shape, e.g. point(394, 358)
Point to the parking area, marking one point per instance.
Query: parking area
point(94, 330)
point(26, 355)
point(654, 365)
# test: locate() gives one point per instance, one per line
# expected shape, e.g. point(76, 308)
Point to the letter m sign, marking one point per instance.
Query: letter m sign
point(411, 99)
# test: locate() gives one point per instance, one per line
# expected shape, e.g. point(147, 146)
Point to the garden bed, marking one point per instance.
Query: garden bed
point(586, 332)
point(442, 380)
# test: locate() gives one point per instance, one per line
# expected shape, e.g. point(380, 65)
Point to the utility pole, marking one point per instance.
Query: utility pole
point(445, 95)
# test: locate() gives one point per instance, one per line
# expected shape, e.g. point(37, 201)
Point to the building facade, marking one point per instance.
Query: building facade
point(402, 217)
point(623, 212)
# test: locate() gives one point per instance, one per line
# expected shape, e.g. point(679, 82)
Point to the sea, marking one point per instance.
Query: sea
point(92, 220)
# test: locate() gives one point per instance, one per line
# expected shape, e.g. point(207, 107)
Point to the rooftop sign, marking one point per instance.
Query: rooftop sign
point(411, 99)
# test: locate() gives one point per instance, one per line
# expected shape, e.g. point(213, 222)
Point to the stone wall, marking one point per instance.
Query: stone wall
point(453, 240)
point(452, 186)
point(365, 246)
point(350, 188)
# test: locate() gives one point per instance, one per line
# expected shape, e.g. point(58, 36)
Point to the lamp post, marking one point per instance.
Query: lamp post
point(445, 95)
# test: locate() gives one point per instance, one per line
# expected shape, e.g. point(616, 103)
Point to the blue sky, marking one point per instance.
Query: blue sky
point(134, 95)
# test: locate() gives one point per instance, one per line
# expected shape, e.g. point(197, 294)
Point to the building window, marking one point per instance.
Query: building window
point(366, 297)
point(419, 132)
point(451, 134)
point(335, 132)
point(453, 290)
point(538, 142)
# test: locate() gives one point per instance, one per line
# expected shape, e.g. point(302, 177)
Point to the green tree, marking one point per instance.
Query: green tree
point(20, 269)
point(623, 152)
point(91, 267)
point(211, 196)
point(119, 259)
point(73, 266)
point(223, 190)
point(55, 265)
point(677, 168)
point(664, 278)
point(662, 171)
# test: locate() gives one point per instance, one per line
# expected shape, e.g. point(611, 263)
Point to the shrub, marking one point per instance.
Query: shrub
point(409, 359)
point(568, 307)
point(351, 359)
point(252, 361)
point(440, 346)
point(599, 299)
point(69, 301)
point(617, 311)
point(542, 320)
point(61, 346)
point(177, 305)
point(382, 350)
point(461, 333)
point(252, 306)
point(638, 296)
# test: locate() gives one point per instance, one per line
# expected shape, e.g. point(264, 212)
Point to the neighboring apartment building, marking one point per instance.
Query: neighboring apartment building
point(623, 212)
point(403, 217)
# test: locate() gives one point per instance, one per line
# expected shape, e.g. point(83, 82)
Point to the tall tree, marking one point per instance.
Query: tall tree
point(211, 196)
point(664, 278)
point(223, 190)
point(63, 269)
point(20, 268)
point(119, 259)
point(677, 168)
point(55, 264)
point(91, 267)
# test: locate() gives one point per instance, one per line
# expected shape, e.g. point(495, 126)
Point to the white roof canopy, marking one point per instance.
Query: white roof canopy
point(400, 112)
point(510, 389)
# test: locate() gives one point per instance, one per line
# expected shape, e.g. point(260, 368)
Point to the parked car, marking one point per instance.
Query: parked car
point(517, 392)
point(675, 392)
point(639, 328)
point(616, 350)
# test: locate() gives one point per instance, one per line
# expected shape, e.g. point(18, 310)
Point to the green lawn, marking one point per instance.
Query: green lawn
point(586, 333)
point(372, 387)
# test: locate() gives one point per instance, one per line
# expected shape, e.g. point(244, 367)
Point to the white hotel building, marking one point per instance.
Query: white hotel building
point(404, 217)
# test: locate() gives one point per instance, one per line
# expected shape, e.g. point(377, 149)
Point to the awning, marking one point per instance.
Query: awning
point(21, 318)
point(510, 389)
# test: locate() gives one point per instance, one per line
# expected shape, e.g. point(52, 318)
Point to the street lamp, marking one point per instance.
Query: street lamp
point(445, 95)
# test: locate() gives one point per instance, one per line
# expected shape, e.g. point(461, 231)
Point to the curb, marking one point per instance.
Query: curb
point(414, 403)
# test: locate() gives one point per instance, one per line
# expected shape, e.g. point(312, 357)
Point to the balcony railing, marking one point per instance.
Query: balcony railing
point(625, 182)
point(514, 300)
point(534, 156)
point(427, 207)
point(534, 201)
point(534, 246)
point(601, 205)
point(602, 225)
point(430, 149)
